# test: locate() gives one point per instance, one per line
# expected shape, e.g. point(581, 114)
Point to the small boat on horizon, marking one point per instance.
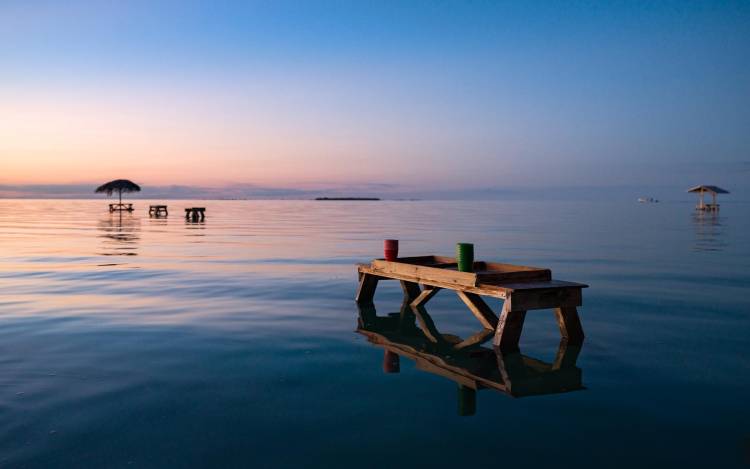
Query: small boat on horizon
point(647, 200)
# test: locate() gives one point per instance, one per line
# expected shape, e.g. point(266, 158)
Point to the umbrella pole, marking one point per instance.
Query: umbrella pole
point(119, 192)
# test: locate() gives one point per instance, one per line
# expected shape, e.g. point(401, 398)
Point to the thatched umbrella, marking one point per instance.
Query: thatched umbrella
point(119, 186)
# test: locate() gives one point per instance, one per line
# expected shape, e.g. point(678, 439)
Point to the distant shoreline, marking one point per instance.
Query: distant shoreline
point(348, 198)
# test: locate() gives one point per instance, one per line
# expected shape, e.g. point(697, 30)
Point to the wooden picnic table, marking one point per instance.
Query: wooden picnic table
point(120, 207)
point(158, 210)
point(195, 213)
point(521, 288)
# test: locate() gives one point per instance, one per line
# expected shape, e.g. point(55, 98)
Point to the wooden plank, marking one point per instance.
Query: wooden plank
point(518, 286)
point(464, 379)
point(498, 273)
point(480, 309)
point(509, 328)
point(545, 298)
point(476, 339)
point(445, 269)
point(487, 290)
point(453, 277)
point(428, 325)
point(495, 290)
point(425, 296)
point(366, 290)
point(430, 261)
point(570, 325)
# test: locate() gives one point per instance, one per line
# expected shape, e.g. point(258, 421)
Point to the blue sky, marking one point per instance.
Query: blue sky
point(460, 95)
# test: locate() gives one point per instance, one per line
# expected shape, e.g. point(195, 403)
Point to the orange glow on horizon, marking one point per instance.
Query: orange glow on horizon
point(54, 139)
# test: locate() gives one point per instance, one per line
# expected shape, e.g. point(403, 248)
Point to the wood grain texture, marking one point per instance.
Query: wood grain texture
point(509, 328)
point(445, 270)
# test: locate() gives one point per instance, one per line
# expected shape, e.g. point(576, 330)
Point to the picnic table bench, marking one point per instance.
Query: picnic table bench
point(522, 288)
point(120, 207)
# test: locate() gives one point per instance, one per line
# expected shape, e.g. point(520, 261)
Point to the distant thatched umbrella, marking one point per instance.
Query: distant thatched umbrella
point(119, 186)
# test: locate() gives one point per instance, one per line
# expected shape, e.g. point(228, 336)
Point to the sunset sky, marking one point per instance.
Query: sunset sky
point(460, 95)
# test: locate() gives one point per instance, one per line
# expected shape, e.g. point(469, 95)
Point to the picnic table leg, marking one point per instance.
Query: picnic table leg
point(428, 326)
point(509, 328)
point(567, 355)
point(570, 325)
point(366, 290)
point(367, 315)
point(407, 321)
point(467, 401)
point(411, 290)
point(511, 367)
point(479, 309)
point(479, 338)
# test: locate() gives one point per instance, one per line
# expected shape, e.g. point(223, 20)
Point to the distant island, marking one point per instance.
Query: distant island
point(347, 198)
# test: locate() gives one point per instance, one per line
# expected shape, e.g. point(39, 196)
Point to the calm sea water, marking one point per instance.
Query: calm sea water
point(134, 342)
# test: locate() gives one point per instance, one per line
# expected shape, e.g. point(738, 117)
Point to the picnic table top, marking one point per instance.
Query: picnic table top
point(494, 279)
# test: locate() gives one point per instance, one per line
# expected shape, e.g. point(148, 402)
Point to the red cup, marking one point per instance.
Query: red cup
point(390, 248)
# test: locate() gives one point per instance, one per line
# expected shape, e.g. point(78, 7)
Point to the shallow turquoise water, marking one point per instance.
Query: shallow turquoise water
point(137, 342)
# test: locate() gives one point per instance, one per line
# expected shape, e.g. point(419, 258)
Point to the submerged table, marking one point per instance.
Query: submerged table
point(120, 207)
point(522, 288)
point(195, 213)
point(157, 210)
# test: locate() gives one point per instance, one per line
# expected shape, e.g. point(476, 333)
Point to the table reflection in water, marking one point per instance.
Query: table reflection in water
point(119, 234)
point(411, 333)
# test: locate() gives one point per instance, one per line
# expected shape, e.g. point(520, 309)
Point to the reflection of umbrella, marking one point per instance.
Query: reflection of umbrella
point(119, 186)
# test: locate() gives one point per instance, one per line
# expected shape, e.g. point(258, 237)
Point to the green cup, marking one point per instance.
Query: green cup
point(465, 257)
